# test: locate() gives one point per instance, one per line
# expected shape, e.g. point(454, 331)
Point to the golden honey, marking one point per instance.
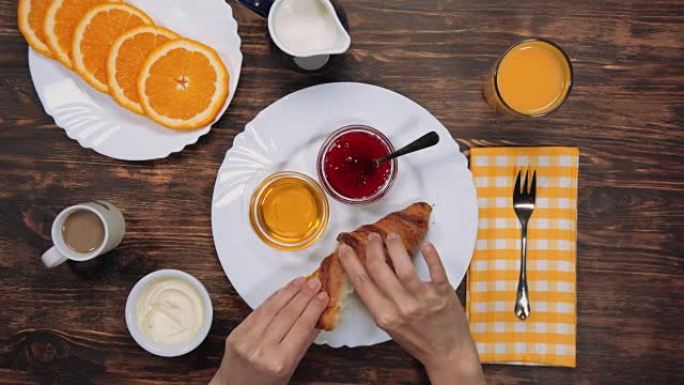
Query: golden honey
point(289, 211)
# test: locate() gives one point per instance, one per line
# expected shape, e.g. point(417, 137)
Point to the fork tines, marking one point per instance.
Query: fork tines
point(529, 189)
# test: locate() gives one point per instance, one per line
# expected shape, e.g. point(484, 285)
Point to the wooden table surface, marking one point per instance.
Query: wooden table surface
point(625, 113)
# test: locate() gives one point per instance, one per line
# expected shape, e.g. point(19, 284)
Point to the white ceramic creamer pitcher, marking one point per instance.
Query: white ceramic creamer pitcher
point(308, 30)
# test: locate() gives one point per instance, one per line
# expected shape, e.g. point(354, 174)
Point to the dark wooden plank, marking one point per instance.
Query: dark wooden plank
point(626, 113)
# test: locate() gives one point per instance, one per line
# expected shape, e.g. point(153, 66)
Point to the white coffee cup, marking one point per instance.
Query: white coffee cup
point(114, 227)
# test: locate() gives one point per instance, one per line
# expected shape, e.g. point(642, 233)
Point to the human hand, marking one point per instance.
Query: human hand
point(267, 346)
point(425, 318)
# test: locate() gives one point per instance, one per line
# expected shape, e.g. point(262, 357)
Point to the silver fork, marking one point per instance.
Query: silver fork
point(523, 204)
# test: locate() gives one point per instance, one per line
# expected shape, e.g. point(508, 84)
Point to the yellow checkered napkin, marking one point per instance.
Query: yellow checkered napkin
point(547, 337)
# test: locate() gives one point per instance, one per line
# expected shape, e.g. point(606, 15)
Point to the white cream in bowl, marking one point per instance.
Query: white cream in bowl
point(169, 313)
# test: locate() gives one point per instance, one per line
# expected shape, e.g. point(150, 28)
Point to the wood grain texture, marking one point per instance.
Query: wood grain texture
point(625, 113)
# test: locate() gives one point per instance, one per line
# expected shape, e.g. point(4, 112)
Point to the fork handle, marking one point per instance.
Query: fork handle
point(522, 298)
point(523, 254)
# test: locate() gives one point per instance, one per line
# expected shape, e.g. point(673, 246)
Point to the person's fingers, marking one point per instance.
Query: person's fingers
point(260, 318)
point(303, 332)
point(289, 314)
point(369, 294)
point(401, 260)
point(437, 272)
point(380, 271)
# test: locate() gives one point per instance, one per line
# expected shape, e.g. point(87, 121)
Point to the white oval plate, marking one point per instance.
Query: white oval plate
point(287, 136)
point(95, 120)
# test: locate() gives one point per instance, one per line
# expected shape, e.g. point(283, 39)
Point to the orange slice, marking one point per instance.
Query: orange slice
point(183, 85)
point(126, 58)
point(94, 36)
point(31, 19)
point(60, 23)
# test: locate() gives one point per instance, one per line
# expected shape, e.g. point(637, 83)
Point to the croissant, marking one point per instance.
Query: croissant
point(411, 224)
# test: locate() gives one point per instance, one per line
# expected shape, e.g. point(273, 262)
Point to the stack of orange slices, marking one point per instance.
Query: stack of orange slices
point(117, 49)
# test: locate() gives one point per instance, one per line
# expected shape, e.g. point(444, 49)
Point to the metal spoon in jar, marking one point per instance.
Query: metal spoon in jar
point(425, 141)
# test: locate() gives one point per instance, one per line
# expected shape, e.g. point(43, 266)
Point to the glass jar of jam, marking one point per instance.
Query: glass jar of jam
point(346, 165)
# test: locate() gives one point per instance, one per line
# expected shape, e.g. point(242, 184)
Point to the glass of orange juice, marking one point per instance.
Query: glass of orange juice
point(289, 211)
point(532, 78)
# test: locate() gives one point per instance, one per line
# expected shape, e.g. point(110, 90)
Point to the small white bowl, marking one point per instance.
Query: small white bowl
point(147, 343)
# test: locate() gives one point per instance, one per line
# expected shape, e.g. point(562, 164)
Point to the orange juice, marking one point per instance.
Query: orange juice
point(533, 78)
point(289, 211)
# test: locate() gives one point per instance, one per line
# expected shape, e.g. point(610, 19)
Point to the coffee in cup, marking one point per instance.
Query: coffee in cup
point(85, 231)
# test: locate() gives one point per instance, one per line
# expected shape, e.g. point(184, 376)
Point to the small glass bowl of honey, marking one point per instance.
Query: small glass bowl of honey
point(289, 211)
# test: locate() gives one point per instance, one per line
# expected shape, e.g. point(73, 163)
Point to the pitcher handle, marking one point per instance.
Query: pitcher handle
point(53, 258)
point(262, 7)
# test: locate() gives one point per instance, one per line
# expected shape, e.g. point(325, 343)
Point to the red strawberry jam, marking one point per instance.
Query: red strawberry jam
point(348, 168)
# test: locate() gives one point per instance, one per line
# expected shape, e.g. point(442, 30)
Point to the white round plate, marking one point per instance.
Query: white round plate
point(287, 136)
point(95, 120)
